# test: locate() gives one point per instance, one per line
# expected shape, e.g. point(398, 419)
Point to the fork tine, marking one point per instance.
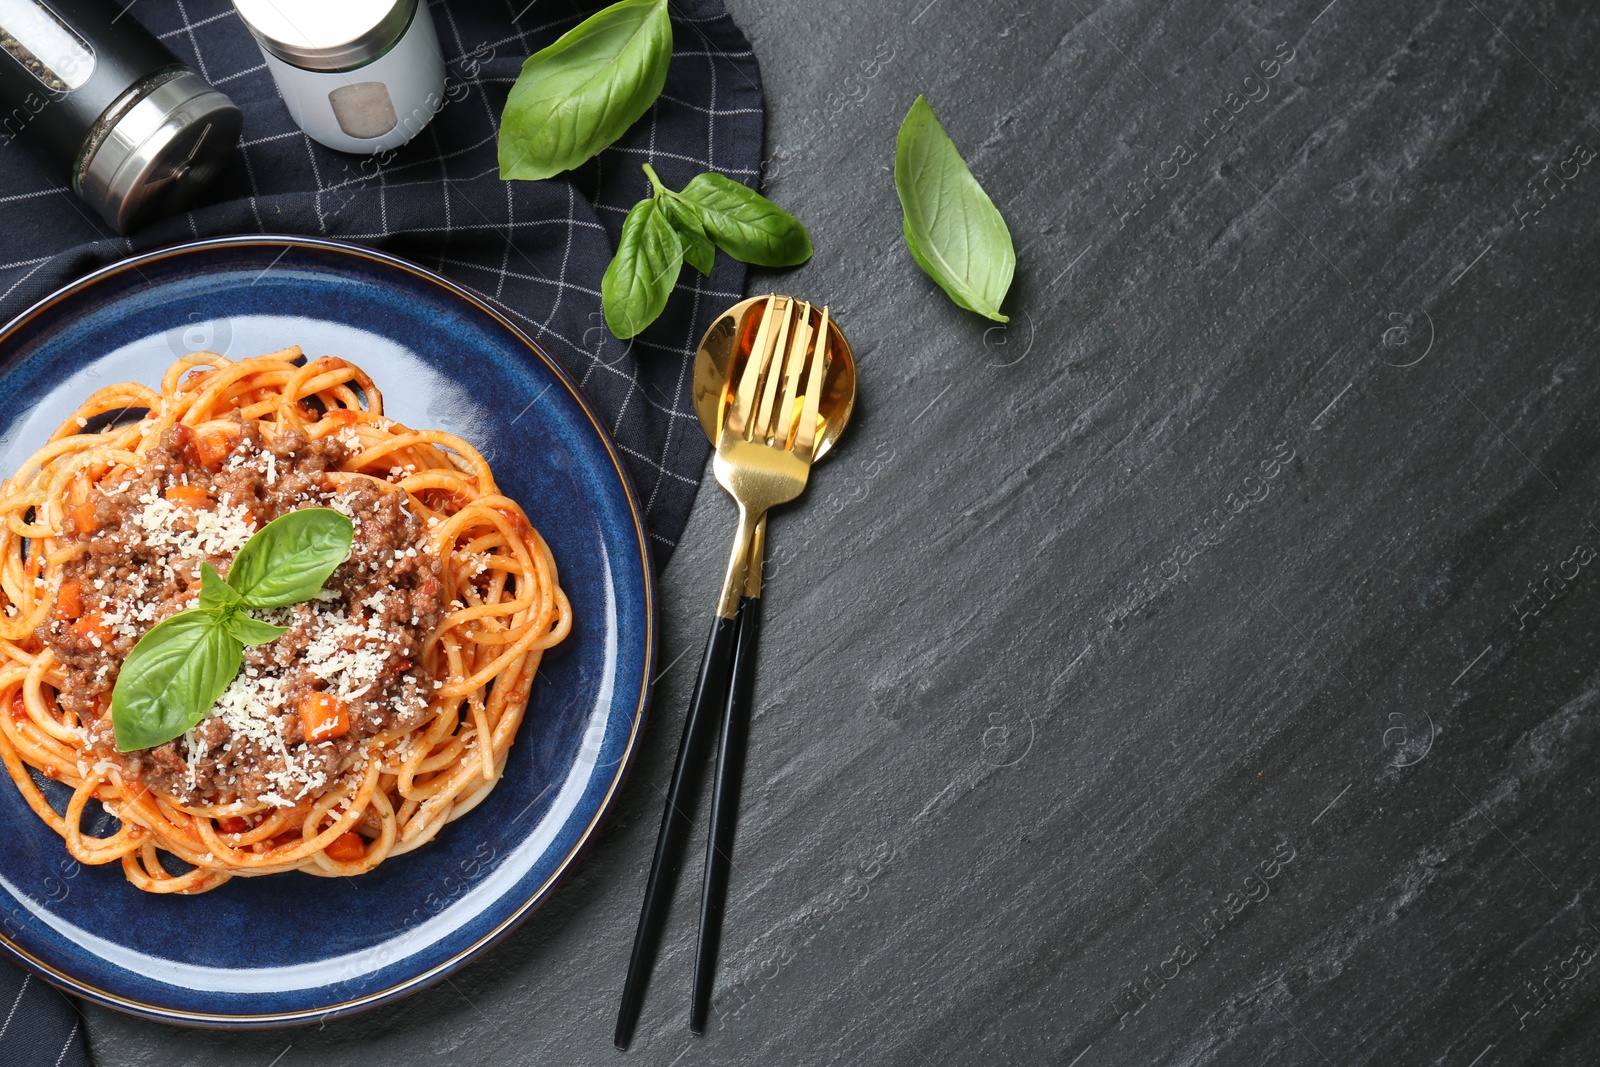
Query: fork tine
point(784, 433)
point(805, 441)
point(755, 366)
point(763, 422)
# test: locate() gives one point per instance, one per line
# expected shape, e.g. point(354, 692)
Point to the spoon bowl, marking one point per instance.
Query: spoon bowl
point(725, 349)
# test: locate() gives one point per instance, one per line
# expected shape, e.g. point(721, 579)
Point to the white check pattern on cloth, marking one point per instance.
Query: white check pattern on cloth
point(535, 249)
point(42, 1027)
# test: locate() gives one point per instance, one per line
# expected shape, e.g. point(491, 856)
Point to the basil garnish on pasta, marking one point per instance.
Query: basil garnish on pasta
point(172, 678)
point(289, 559)
point(177, 670)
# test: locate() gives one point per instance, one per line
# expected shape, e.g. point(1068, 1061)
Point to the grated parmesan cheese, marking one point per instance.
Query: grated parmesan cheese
point(349, 672)
point(218, 533)
point(197, 749)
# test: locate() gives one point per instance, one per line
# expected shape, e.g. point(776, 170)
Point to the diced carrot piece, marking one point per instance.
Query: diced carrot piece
point(69, 602)
point(91, 625)
point(324, 717)
point(233, 824)
point(212, 447)
point(342, 417)
point(82, 518)
point(347, 848)
point(188, 496)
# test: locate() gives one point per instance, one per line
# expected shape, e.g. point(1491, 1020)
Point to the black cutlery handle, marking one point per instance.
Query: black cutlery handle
point(709, 695)
point(725, 809)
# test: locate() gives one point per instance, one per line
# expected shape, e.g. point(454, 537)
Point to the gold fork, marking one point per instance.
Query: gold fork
point(766, 446)
point(764, 454)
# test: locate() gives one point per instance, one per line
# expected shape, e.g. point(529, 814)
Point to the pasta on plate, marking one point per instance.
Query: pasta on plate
point(387, 703)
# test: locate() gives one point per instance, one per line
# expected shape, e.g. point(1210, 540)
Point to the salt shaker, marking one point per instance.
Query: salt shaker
point(141, 133)
point(357, 75)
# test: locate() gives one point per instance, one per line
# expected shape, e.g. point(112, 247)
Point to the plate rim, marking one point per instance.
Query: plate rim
point(438, 972)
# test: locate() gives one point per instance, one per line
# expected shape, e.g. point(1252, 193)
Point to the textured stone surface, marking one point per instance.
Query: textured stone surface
point(1209, 576)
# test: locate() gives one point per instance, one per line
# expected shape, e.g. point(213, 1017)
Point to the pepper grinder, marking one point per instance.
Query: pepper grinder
point(142, 133)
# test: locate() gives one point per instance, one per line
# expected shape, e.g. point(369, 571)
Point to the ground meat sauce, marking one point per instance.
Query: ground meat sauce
point(359, 641)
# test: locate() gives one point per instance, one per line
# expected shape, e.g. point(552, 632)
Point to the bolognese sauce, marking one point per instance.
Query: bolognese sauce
point(347, 669)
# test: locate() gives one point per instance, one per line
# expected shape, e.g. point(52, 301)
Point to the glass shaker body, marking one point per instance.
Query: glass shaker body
point(357, 75)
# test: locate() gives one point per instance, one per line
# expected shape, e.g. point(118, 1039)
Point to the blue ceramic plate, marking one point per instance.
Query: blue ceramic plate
point(293, 948)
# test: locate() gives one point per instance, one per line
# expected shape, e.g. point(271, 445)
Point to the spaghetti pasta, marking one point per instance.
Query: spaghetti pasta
point(385, 711)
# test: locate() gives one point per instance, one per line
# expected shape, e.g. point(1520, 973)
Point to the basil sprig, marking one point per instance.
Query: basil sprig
point(583, 92)
point(952, 228)
point(668, 228)
point(177, 670)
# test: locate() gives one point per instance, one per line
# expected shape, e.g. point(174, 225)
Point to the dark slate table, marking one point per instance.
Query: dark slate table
point(1201, 670)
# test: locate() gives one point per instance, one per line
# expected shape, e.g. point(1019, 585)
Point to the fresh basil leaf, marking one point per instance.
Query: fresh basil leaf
point(952, 228)
point(288, 559)
point(698, 251)
point(583, 92)
point(249, 630)
point(172, 678)
point(745, 224)
point(214, 592)
point(641, 275)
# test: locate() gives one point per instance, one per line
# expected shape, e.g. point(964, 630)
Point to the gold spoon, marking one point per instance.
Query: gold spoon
point(733, 384)
point(722, 355)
